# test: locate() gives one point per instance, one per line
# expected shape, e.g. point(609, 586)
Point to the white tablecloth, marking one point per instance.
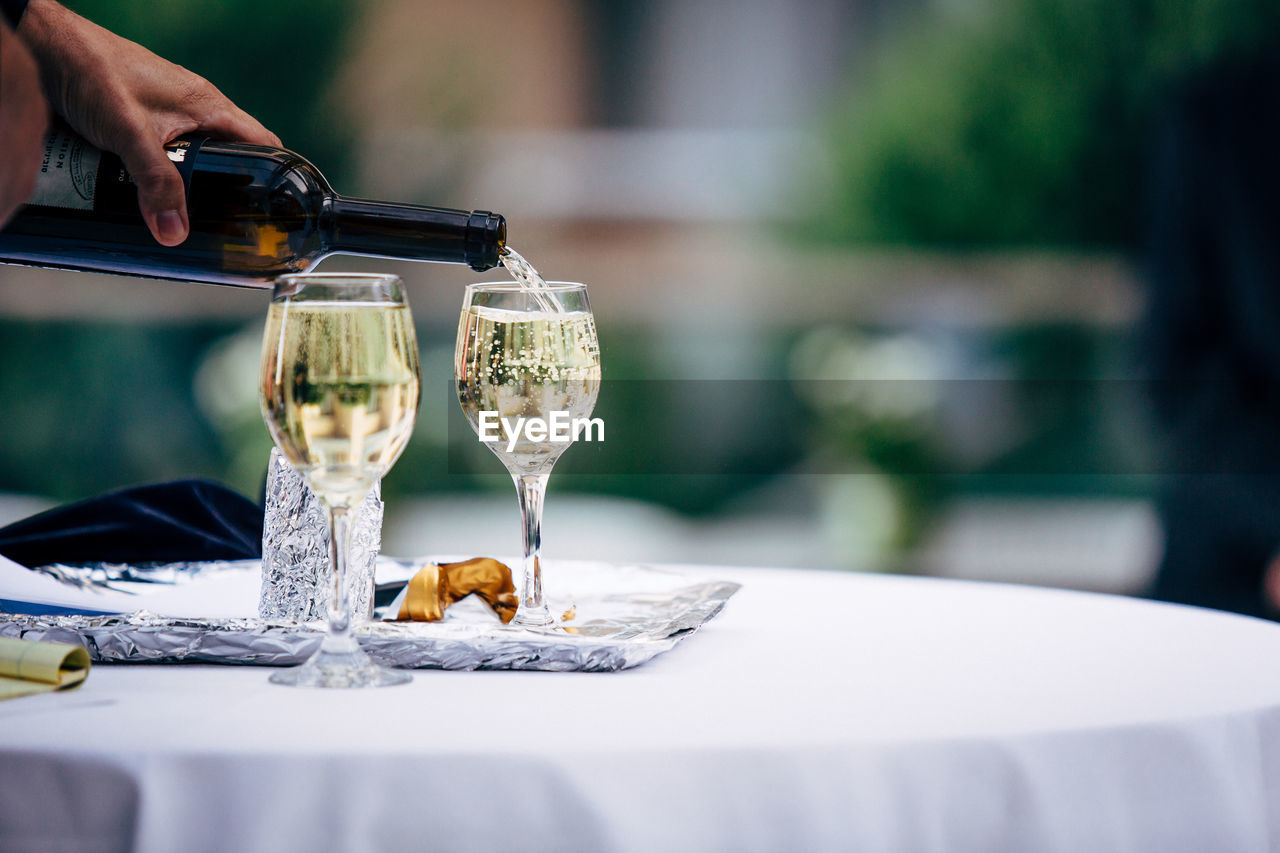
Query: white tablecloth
point(819, 711)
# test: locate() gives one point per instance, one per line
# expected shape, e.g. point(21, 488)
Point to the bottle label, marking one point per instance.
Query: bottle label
point(68, 174)
point(77, 176)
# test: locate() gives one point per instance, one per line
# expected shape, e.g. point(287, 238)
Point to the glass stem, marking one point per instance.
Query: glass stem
point(339, 638)
point(531, 489)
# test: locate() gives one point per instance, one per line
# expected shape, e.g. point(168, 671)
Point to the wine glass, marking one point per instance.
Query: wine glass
point(528, 353)
point(339, 393)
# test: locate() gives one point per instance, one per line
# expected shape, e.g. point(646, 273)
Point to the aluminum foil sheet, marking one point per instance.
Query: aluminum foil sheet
point(622, 616)
point(297, 578)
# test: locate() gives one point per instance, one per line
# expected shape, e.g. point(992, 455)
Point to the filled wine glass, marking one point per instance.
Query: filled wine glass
point(339, 392)
point(528, 353)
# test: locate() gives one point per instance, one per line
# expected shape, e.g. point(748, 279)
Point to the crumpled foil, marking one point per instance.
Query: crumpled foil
point(297, 577)
point(623, 616)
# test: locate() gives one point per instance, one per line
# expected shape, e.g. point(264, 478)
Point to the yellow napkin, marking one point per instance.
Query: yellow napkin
point(28, 667)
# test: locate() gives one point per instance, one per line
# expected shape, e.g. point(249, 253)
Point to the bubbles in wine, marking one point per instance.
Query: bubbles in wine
point(527, 365)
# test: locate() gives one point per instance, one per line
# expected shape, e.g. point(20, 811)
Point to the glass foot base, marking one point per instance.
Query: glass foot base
point(533, 617)
point(343, 669)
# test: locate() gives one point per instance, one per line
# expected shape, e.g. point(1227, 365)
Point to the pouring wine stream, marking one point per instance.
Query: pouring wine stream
point(529, 279)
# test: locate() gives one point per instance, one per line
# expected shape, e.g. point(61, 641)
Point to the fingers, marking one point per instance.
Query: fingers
point(214, 113)
point(234, 123)
point(161, 196)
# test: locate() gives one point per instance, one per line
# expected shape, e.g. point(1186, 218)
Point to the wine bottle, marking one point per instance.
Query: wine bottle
point(256, 213)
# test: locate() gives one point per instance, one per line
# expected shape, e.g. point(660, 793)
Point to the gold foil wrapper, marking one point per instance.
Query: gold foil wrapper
point(436, 586)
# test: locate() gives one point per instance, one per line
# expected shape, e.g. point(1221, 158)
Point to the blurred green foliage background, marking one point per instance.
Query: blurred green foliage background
point(969, 126)
point(1019, 122)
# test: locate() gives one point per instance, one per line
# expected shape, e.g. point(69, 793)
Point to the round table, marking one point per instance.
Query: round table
point(818, 711)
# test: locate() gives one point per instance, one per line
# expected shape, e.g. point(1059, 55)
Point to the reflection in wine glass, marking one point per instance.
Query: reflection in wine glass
point(517, 359)
point(339, 392)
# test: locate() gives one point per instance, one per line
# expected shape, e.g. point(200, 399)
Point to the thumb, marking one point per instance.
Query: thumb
point(161, 196)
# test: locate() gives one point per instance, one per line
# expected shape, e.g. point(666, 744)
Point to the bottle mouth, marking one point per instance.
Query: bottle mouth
point(486, 237)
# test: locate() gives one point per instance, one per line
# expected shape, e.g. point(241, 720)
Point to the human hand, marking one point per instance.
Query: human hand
point(24, 117)
point(125, 99)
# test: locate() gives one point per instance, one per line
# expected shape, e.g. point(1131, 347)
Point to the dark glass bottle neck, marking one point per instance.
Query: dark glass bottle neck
point(361, 227)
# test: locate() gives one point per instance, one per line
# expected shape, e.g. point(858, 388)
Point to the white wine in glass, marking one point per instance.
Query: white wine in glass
point(340, 389)
point(517, 359)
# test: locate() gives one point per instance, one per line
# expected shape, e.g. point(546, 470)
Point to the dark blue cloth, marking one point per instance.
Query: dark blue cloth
point(183, 521)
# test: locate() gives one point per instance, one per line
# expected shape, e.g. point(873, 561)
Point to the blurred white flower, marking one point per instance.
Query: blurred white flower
point(226, 382)
point(893, 377)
